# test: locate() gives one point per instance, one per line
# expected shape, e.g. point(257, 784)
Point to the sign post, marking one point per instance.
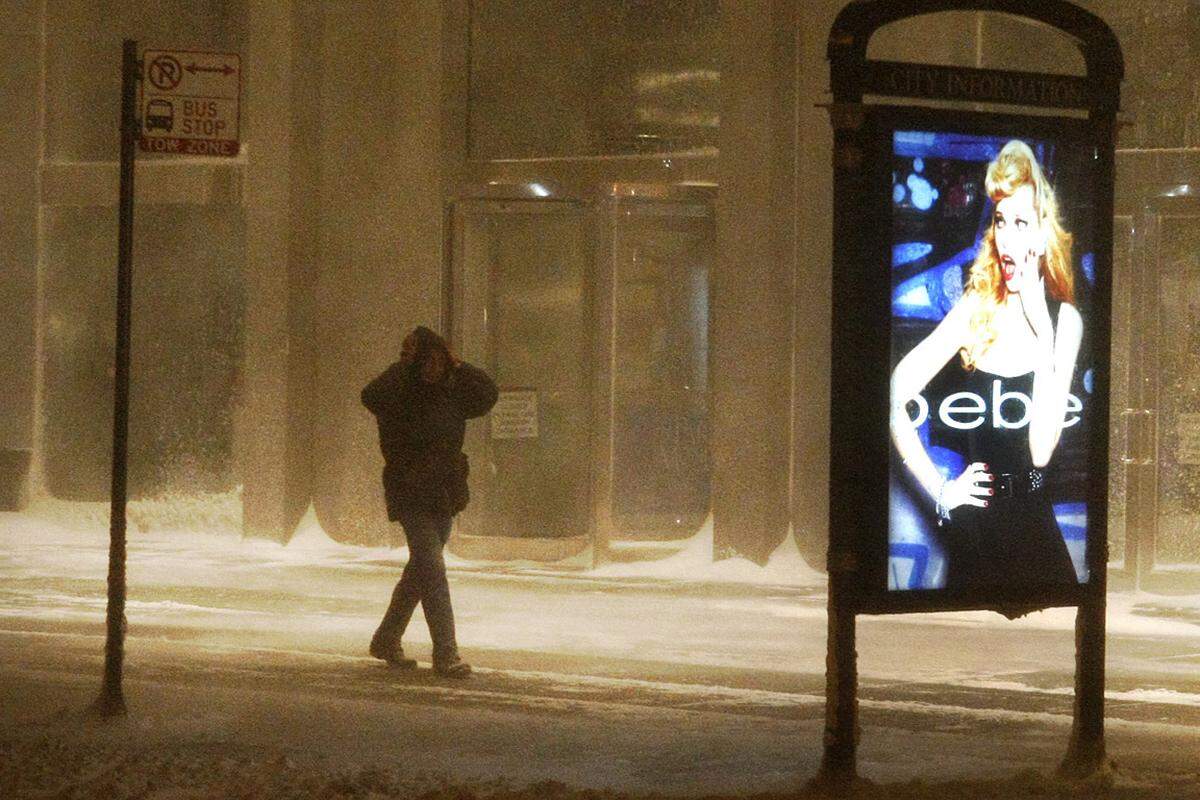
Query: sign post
point(972, 261)
point(189, 103)
point(112, 699)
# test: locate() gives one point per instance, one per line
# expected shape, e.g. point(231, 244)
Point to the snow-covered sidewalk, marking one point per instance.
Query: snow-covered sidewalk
point(678, 675)
point(71, 540)
point(222, 721)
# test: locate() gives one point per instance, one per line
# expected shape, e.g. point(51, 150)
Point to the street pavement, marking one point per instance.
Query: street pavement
point(684, 687)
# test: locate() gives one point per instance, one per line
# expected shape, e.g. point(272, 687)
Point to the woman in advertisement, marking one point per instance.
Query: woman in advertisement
point(1016, 334)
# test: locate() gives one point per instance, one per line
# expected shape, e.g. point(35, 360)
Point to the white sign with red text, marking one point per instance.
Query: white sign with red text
point(190, 102)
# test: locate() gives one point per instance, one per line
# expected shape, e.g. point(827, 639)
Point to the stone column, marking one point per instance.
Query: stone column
point(380, 236)
point(752, 280)
point(813, 304)
point(279, 115)
point(20, 152)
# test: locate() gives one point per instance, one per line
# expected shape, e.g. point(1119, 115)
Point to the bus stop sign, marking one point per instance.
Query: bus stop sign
point(189, 102)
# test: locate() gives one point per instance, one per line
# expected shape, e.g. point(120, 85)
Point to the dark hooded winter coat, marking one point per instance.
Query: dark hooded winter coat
point(421, 429)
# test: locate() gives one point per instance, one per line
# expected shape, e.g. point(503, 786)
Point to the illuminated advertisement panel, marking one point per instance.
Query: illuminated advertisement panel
point(993, 286)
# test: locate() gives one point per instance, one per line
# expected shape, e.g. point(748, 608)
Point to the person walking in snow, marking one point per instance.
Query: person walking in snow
point(421, 404)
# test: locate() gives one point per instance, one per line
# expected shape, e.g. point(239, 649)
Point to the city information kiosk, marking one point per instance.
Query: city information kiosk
point(972, 246)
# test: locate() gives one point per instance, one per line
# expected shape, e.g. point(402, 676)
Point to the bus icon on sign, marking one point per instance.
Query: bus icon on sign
point(160, 115)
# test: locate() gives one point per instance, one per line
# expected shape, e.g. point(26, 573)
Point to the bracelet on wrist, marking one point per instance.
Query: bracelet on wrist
point(943, 511)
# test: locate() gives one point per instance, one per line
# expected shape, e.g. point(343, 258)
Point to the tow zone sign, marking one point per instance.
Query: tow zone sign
point(190, 102)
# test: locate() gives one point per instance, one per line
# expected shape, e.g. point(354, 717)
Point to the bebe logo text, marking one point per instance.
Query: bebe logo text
point(967, 410)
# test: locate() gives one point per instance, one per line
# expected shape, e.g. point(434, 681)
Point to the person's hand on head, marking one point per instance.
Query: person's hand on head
point(408, 349)
point(434, 365)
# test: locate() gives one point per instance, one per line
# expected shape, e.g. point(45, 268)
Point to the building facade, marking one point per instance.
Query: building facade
point(622, 209)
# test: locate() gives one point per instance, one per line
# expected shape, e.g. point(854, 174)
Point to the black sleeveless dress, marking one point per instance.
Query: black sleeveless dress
point(1014, 541)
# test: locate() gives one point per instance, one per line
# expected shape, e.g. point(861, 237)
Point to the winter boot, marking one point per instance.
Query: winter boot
point(452, 666)
point(387, 648)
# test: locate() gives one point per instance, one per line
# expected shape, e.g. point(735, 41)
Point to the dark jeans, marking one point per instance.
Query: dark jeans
point(424, 581)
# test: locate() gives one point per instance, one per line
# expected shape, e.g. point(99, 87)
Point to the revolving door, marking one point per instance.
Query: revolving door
point(592, 314)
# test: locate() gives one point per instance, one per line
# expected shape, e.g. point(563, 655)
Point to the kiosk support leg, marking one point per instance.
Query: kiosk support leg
point(1085, 753)
point(839, 764)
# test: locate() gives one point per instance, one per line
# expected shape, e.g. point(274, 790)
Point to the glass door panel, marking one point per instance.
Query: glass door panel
point(662, 252)
point(1120, 402)
point(1156, 390)
point(1177, 254)
point(521, 311)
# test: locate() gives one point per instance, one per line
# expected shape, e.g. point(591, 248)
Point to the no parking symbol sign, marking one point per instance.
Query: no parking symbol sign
point(190, 102)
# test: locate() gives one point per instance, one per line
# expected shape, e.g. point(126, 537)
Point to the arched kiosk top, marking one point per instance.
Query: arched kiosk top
point(853, 75)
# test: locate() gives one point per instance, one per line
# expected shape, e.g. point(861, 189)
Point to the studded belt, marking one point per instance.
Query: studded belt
point(1014, 484)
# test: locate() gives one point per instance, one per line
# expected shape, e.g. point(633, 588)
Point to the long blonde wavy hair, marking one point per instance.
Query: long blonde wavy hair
point(1013, 168)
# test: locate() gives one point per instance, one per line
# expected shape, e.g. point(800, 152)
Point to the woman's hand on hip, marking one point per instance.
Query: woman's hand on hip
point(970, 488)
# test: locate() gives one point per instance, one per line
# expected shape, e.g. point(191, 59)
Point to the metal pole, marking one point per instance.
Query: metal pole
point(112, 699)
point(1086, 750)
point(838, 773)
